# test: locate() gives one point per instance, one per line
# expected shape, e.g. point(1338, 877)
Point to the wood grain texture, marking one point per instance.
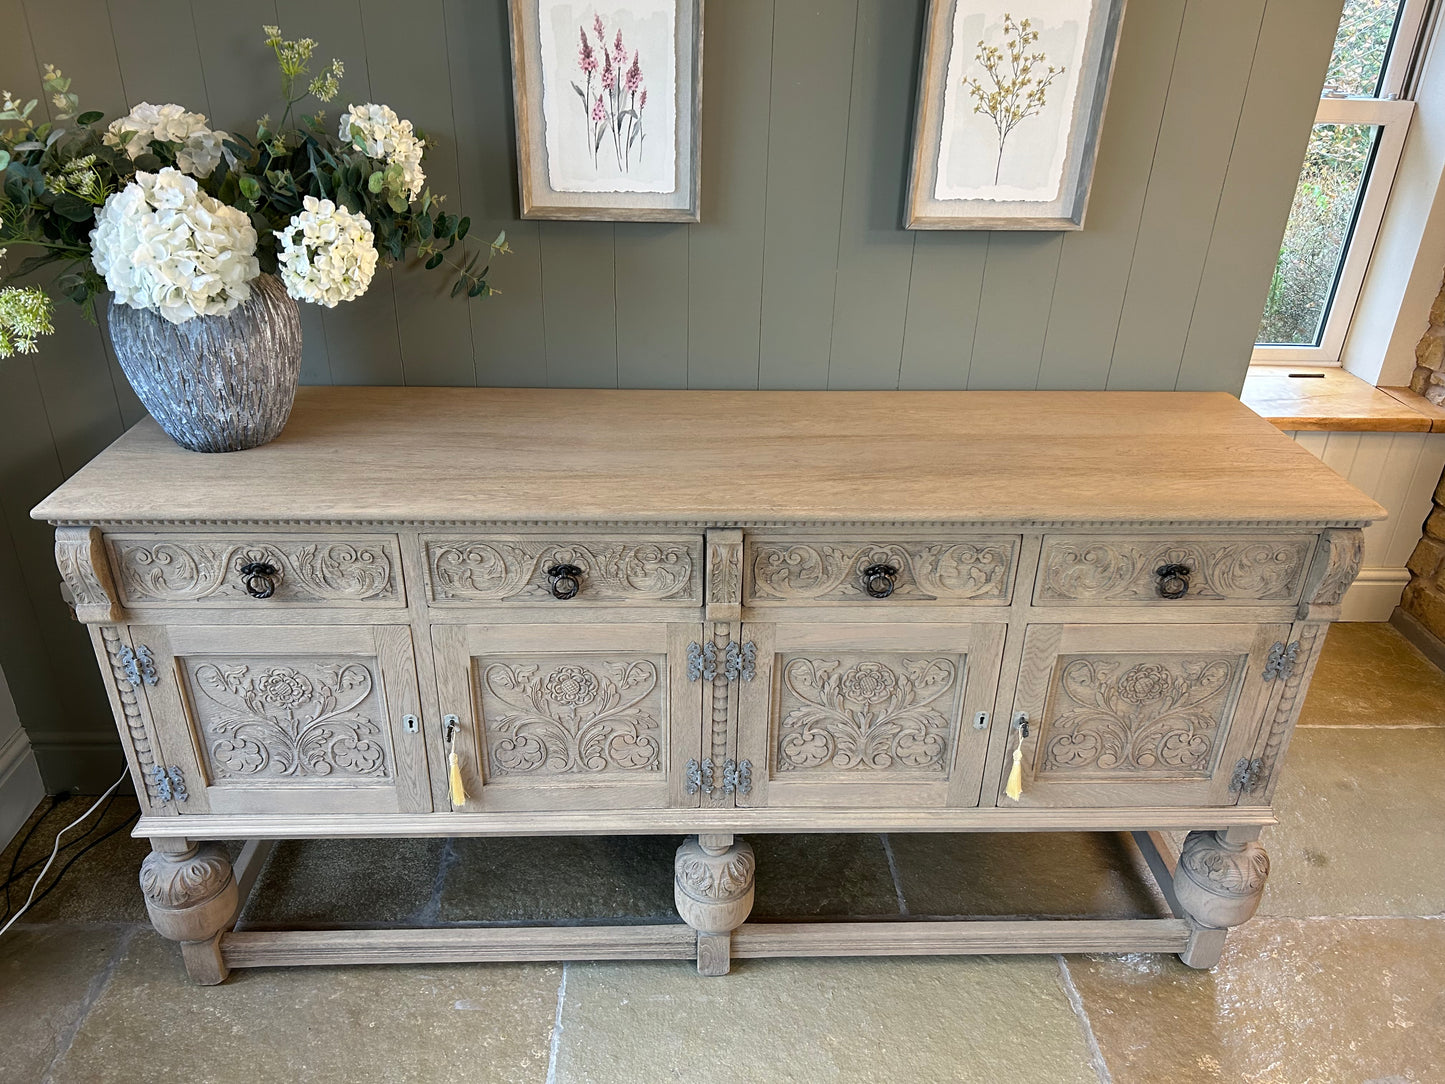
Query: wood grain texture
point(1328, 398)
point(492, 455)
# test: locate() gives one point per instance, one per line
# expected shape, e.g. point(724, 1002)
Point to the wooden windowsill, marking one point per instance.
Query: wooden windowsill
point(1334, 400)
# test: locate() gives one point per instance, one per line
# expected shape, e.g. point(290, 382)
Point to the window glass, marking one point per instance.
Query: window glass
point(1320, 221)
point(1361, 47)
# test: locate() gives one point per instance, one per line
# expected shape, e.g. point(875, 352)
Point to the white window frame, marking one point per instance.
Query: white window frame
point(1392, 115)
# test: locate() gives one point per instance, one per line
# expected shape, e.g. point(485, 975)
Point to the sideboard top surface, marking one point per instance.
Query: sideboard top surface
point(459, 455)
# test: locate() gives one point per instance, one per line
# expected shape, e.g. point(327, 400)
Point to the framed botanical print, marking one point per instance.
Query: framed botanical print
point(608, 97)
point(1010, 102)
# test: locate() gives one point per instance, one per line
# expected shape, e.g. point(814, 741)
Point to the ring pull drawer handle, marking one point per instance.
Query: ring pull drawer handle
point(259, 578)
point(566, 581)
point(880, 580)
point(1173, 580)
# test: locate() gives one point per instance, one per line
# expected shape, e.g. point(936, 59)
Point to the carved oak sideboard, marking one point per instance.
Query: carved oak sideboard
point(448, 612)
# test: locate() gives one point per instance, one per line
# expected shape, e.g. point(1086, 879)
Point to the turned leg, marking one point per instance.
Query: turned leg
point(1218, 883)
point(713, 889)
point(192, 897)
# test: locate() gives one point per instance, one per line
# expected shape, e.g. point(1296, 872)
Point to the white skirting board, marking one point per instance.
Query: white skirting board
point(20, 785)
point(1401, 471)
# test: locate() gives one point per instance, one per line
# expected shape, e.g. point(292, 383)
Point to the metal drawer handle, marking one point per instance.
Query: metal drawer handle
point(878, 580)
point(1173, 580)
point(259, 578)
point(566, 581)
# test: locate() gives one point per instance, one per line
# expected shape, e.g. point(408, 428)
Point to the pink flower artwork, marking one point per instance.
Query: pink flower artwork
point(614, 114)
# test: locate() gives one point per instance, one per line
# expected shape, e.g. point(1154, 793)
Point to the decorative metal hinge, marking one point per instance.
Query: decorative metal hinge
point(139, 665)
point(1282, 658)
point(170, 784)
point(738, 777)
point(699, 776)
point(741, 661)
point(702, 661)
point(1246, 775)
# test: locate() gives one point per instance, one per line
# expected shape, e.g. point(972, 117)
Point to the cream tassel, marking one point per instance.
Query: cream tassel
point(1014, 788)
point(454, 769)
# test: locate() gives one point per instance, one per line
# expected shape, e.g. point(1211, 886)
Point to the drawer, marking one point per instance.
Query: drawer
point(636, 570)
point(219, 570)
point(943, 571)
point(1103, 570)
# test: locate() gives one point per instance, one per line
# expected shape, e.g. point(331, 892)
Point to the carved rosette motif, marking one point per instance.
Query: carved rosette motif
point(310, 719)
point(309, 570)
point(548, 717)
point(714, 891)
point(1218, 883)
point(503, 570)
point(824, 572)
point(1122, 715)
point(140, 740)
point(875, 713)
point(1096, 571)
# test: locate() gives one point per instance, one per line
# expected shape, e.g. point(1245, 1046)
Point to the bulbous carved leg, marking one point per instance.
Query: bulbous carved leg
point(1219, 885)
point(191, 895)
point(713, 889)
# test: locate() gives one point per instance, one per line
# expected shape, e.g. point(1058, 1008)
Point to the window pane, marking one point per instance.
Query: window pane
point(1361, 46)
point(1320, 222)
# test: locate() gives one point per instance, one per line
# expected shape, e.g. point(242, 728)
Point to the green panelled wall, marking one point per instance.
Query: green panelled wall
point(798, 275)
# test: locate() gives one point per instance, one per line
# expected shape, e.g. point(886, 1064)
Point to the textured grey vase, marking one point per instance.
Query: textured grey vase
point(215, 383)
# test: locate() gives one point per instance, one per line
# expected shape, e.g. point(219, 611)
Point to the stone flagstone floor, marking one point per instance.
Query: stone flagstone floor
point(1340, 978)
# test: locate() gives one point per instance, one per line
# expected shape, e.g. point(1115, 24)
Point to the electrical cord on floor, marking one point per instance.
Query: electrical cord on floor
point(55, 850)
point(16, 874)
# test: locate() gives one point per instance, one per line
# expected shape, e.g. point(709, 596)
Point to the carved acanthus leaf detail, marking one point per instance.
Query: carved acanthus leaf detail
point(309, 569)
point(80, 557)
point(1337, 564)
point(178, 882)
point(715, 877)
point(1121, 715)
point(542, 716)
point(963, 571)
point(499, 570)
point(308, 719)
point(1124, 571)
point(1238, 870)
point(853, 713)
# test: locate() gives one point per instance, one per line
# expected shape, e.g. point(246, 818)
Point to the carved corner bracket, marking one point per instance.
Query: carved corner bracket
point(84, 566)
point(1336, 563)
point(724, 592)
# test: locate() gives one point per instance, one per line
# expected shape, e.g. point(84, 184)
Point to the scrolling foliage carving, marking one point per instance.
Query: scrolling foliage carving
point(1123, 715)
point(1125, 571)
point(966, 571)
point(542, 717)
point(309, 719)
point(309, 570)
point(500, 570)
point(879, 713)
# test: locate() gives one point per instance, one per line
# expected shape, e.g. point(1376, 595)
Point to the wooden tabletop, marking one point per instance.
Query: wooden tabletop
point(462, 455)
point(1300, 398)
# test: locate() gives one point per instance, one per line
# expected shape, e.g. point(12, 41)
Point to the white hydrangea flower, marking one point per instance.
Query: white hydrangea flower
point(202, 153)
point(328, 254)
point(163, 244)
point(382, 134)
point(168, 123)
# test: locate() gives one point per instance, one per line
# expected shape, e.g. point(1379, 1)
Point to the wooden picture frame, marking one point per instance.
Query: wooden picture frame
point(603, 162)
point(1050, 164)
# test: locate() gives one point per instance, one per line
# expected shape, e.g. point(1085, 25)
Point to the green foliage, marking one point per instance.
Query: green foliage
point(1361, 46)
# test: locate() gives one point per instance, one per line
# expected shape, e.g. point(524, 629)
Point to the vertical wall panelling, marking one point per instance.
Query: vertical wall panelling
point(945, 287)
point(875, 257)
point(1294, 43)
point(410, 74)
point(507, 330)
point(1216, 52)
point(807, 149)
point(1094, 263)
point(579, 304)
point(650, 261)
point(145, 29)
point(1013, 310)
point(725, 253)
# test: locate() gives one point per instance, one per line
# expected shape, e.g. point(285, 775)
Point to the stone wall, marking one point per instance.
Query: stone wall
point(1428, 378)
point(1424, 597)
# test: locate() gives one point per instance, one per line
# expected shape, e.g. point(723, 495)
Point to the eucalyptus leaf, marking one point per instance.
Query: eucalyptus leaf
point(375, 182)
point(435, 262)
point(4, 159)
point(462, 227)
point(30, 145)
point(90, 116)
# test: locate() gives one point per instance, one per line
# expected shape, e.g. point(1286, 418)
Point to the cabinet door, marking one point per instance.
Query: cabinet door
point(289, 719)
point(571, 716)
point(877, 715)
point(1129, 715)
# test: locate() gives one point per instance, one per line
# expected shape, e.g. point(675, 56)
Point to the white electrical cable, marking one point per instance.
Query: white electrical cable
point(56, 850)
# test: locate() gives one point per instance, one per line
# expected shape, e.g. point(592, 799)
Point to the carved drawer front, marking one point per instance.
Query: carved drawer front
point(287, 719)
point(867, 714)
point(643, 570)
point(571, 716)
point(1079, 569)
point(277, 571)
point(1127, 715)
point(880, 571)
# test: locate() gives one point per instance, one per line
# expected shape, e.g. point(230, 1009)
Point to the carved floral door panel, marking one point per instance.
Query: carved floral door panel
point(869, 714)
point(289, 719)
point(1128, 715)
point(572, 716)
